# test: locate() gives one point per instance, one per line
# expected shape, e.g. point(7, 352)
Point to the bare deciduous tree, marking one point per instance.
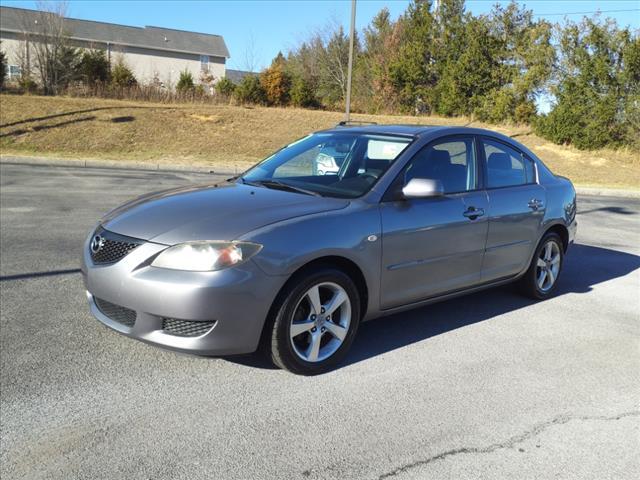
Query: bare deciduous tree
point(322, 61)
point(47, 48)
point(251, 55)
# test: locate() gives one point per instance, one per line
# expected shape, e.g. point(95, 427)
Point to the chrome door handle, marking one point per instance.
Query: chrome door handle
point(535, 204)
point(473, 212)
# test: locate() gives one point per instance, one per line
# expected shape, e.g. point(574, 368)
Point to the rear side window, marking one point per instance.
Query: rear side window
point(506, 166)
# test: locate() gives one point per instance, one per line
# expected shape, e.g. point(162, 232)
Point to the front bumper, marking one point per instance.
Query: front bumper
point(235, 301)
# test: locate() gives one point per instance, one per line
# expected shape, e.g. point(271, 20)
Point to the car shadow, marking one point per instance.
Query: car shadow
point(617, 210)
point(585, 266)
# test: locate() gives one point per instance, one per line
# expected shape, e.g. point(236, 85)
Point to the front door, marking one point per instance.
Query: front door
point(435, 245)
point(516, 210)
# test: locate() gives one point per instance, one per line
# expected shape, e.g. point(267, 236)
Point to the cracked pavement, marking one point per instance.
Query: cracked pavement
point(487, 386)
point(528, 438)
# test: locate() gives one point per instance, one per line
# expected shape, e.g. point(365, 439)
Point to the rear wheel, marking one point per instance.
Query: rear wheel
point(316, 322)
point(541, 278)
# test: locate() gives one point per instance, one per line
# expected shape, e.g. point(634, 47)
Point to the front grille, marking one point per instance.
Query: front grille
point(125, 316)
point(185, 328)
point(108, 247)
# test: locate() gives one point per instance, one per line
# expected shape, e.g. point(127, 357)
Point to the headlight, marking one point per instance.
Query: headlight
point(205, 256)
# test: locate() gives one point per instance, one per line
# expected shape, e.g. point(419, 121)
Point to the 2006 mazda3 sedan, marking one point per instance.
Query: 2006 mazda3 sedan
point(292, 259)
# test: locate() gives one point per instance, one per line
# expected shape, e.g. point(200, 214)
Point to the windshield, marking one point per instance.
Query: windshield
point(342, 164)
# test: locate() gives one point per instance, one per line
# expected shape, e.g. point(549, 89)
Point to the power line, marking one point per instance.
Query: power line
point(584, 13)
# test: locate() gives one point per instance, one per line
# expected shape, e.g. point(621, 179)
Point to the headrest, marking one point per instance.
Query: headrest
point(499, 161)
point(342, 147)
point(440, 158)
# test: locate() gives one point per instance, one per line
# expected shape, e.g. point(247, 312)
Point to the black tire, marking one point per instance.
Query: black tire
point(281, 346)
point(529, 284)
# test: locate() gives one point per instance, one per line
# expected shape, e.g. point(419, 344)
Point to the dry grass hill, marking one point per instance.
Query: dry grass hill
point(229, 138)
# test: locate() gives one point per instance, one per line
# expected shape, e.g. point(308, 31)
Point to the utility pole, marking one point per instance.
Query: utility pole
point(350, 68)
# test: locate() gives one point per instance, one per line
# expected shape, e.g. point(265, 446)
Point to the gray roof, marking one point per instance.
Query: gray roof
point(394, 129)
point(236, 76)
point(157, 38)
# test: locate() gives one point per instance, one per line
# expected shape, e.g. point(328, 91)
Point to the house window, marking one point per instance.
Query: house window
point(15, 71)
point(204, 63)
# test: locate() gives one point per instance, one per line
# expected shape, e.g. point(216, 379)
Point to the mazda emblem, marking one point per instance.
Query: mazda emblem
point(96, 243)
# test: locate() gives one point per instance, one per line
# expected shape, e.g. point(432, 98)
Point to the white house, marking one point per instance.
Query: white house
point(150, 52)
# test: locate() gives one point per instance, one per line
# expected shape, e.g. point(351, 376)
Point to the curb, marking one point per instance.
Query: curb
point(168, 167)
point(607, 192)
point(110, 164)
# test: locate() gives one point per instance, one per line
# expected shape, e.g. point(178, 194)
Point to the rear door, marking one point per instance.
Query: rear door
point(516, 209)
point(434, 245)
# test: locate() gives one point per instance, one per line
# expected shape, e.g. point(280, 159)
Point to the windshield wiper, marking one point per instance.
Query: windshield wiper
point(275, 184)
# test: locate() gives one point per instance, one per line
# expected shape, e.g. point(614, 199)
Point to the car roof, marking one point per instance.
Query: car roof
point(411, 130)
point(396, 129)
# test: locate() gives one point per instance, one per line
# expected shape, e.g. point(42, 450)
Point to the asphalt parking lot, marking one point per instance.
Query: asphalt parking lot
point(488, 386)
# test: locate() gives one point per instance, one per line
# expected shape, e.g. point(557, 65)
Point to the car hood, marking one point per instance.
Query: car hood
point(211, 212)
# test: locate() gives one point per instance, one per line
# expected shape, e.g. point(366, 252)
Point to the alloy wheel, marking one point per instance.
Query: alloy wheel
point(320, 322)
point(548, 266)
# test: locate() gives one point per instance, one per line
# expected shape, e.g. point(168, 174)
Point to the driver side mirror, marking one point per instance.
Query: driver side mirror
point(423, 188)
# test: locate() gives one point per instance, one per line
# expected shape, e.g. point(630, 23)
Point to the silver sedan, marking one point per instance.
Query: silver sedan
point(291, 260)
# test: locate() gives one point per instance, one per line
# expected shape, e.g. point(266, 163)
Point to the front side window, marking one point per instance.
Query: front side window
point(341, 164)
point(452, 161)
point(506, 167)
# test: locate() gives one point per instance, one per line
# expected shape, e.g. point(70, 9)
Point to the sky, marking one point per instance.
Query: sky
point(255, 31)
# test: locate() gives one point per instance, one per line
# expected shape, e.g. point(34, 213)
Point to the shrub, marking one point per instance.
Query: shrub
point(27, 84)
point(207, 80)
point(185, 83)
point(225, 87)
point(583, 118)
point(122, 76)
point(66, 69)
point(94, 67)
point(3, 68)
point(525, 112)
point(250, 91)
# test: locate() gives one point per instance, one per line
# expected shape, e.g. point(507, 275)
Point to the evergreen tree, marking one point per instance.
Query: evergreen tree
point(185, 82)
point(413, 71)
point(121, 75)
point(302, 94)
point(250, 91)
point(94, 67)
point(3, 68)
point(374, 85)
point(224, 87)
point(597, 87)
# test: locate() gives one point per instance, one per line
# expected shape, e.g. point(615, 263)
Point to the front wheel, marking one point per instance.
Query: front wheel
point(541, 278)
point(316, 322)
